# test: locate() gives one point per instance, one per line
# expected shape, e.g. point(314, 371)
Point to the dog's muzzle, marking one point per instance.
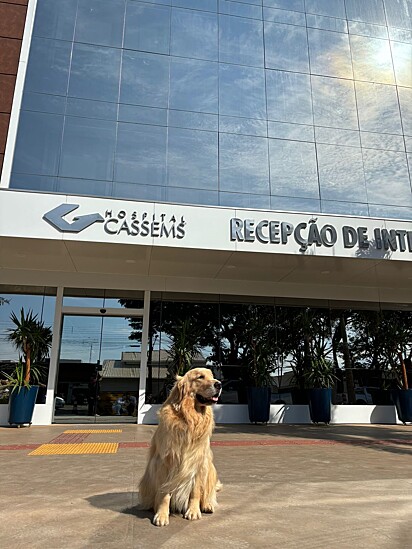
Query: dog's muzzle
point(211, 399)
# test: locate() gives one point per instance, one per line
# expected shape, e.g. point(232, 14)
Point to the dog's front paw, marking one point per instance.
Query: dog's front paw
point(161, 519)
point(193, 513)
point(208, 508)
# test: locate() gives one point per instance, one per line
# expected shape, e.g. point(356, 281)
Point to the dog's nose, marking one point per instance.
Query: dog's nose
point(218, 385)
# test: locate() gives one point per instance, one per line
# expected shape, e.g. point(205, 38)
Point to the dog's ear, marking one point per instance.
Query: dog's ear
point(179, 391)
point(181, 386)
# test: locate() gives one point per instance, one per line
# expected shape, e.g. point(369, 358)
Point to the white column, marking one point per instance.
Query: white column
point(18, 94)
point(54, 354)
point(143, 357)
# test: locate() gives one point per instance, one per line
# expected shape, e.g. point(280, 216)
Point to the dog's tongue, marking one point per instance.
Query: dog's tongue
point(215, 398)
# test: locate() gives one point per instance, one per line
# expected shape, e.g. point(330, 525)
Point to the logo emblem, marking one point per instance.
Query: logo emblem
point(55, 219)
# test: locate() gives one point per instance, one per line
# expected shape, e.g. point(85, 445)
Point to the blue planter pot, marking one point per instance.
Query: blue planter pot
point(21, 406)
point(320, 401)
point(403, 401)
point(258, 400)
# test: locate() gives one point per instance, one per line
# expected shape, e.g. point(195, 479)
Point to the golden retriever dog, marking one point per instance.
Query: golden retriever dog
point(180, 476)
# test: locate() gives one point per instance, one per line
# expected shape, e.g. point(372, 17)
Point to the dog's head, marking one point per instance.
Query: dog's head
point(200, 385)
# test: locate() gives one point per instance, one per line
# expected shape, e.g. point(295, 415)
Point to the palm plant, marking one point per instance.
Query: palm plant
point(260, 347)
point(185, 347)
point(33, 340)
point(321, 375)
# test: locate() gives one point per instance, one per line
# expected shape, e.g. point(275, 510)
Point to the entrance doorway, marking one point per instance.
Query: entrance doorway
point(99, 367)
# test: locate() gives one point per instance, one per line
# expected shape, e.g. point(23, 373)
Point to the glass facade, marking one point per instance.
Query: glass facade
point(300, 105)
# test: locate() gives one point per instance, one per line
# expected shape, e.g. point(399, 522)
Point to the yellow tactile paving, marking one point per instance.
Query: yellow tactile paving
point(81, 448)
point(97, 431)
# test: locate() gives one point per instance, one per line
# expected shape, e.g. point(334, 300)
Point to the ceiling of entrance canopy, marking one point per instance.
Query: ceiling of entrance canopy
point(86, 258)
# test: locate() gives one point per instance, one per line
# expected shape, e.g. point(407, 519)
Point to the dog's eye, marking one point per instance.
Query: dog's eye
point(201, 377)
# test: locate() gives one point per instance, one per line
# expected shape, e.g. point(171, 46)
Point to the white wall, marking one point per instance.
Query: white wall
point(41, 415)
point(285, 413)
point(238, 413)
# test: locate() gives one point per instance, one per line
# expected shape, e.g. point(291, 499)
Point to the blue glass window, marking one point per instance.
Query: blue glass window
point(240, 9)
point(147, 28)
point(203, 5)
point(345, 208)
point(38, 143)
point(284, 16)
point(240, 41)
point(100, 22)
point(243, 164)
point(341, 173)
point(91, 109)
point(194, 85)
point(55, 19)
point(54, 104)
point(141, 154)
point(95, 73)
point(194, 34)
point(332, 8)
point(242, 91)
point(192, 159)
point(405, 100)
point(139, 192)
point(372, 60)
point(399, 13)
point(367, 11)
point(289, 97)
point(295, 132)
point(286, 47)
point(295, 5)
point(294, 204)
point(244, 200)
point(33, 182)
point(387, 177)
point(335, 136)
point(142, 115)
point(145, 79)
point(384, 141)
point(293, 170)
point(192, 196)
point(244, 126)
point(334, 103)
point(193, 120)
point(48, 67)
point(88, 187)
point(329, 53)
point(88, 148)
point(402, 61)
point(378, 108)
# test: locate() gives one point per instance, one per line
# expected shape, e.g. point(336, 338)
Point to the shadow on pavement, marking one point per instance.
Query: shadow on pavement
point(120, 502)
point(393, 439)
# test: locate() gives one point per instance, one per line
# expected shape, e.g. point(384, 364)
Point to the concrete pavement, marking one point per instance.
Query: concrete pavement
point(284, 486)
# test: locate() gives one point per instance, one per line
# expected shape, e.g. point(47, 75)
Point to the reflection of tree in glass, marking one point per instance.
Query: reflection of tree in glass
point(373, 252)
point(382, 341)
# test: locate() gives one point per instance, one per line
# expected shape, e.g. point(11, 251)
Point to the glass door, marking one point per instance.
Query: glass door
point(99, 366)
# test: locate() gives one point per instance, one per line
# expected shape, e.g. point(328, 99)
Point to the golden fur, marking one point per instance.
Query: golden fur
point(180, 475)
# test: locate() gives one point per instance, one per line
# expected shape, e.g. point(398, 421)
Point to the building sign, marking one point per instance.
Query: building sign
point(319, 234)
point(116, 222)
point(113, 221)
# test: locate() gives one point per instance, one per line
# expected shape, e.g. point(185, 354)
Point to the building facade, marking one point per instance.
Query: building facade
point(211, 152)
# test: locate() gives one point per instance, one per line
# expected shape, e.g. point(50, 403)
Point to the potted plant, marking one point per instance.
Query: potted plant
point(320, 378)
point(259, 366)
point(33, 340)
